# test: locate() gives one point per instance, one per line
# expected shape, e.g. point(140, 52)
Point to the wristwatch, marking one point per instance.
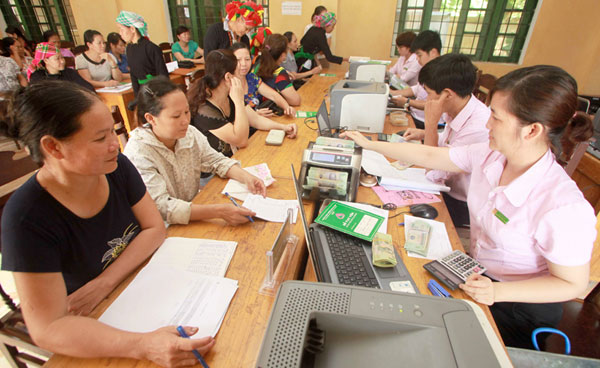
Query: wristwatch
point(407, 104)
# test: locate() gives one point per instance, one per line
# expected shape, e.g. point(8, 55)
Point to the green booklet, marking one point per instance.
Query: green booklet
point(350, 220)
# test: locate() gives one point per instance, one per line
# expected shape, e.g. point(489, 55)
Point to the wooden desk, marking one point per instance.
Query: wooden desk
point(587, 177)
point(123, 98)
point(240, 336)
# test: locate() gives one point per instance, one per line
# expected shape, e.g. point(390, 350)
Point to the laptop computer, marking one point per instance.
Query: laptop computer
point(343, 259)
point(323, 122)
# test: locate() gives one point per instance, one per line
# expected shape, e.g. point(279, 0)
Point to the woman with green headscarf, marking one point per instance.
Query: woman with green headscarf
point(144, 57)
point(315, 41)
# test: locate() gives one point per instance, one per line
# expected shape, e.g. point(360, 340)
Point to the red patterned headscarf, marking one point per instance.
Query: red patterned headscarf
point(248, 10)
point(258, 39)
point(43, 50)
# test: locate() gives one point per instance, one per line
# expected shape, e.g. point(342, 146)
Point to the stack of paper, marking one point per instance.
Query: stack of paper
point(181, 285)
point(270, 209)
point(239, 190)
point(439, 243)
point(117, 89)
point(376, 164)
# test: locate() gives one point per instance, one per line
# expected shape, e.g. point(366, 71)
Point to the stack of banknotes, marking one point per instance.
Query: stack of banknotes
point(334, 142)
point(327, 179)
point(417, 238)
point(383, 251)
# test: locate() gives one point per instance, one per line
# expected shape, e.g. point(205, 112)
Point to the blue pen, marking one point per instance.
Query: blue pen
point(196, 353)
point(236, 204)
point(401, 224)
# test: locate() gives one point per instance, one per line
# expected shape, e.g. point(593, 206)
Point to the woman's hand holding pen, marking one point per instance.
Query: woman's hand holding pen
point(234, 215)
point(166, 348)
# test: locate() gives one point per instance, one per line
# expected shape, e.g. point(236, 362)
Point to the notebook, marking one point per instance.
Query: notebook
point(343, 259)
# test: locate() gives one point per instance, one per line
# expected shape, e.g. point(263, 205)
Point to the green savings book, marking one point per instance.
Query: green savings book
point(350, 220)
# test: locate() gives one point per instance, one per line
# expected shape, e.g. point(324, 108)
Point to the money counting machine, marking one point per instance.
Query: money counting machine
point(315, 325)
point(330, 169)
point(358, 105)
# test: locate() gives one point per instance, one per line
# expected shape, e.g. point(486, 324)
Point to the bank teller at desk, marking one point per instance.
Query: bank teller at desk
point(530, 225)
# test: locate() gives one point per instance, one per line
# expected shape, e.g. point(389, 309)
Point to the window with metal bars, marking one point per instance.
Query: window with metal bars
point(198, 15)
point(485, 30)
point(39, 16)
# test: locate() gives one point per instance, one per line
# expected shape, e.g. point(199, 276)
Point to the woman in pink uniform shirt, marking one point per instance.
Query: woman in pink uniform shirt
point(530, 225)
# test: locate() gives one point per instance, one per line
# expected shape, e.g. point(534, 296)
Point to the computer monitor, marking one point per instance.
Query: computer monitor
point(323, 120)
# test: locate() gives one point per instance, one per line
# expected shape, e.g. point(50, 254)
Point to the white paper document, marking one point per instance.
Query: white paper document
point(376, 164)
point(291, 8)
point(162, 296)
point(204, 256)
point(172, 66)
point(270, 209)
point(239, 190)
point(439, 243)
point(117, 89)
point(375, 210)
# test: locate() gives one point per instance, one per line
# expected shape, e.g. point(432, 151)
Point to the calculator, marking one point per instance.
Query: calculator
point(454, 268)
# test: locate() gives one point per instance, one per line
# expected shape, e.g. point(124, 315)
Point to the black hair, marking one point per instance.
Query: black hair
point(238, 46)
point(181, 29)
point(49, 33)
point(453, 71)
point(274, 46)
point(149, 98)
point(5, 45)
point(114, 38)
point(15, 30)
point(88, 36)
point(426, 41)
point(289, 35)
point(547, 94)
point(405, 39)
point(217, 64)
point(318, 10)
point(41, 109)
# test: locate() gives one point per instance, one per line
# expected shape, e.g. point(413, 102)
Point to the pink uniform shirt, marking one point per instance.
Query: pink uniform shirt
point(540, 216)
point(421, 95)
point(407, 69)
point(466, 128)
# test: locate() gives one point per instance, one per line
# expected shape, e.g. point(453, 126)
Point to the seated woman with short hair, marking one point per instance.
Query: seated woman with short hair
point(50, 64)
point(95, 65)
point(171, 156)
point(78, 227)
point(186, 49)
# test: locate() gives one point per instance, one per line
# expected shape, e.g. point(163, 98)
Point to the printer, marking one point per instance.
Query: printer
point(358, 105)
point(367, 71)
point(315, 325)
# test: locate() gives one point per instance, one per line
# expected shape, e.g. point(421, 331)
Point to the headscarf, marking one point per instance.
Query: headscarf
point(248, 10)
point(130, 19)
point(43, 50)
point(258, 39)
point(325, 19)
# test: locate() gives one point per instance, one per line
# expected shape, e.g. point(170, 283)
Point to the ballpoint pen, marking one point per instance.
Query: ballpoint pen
point(237, 205)
point(196, 353)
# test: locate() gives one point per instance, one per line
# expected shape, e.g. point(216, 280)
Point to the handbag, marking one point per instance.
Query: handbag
point(186, 64)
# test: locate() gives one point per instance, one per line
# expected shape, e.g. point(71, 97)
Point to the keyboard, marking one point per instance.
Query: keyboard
point(352, 265)
point(462, 265)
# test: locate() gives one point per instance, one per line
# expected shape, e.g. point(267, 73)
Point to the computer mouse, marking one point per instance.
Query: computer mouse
point(424, 210)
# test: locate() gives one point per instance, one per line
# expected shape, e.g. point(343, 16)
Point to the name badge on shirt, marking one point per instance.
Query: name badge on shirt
point(500, 216)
